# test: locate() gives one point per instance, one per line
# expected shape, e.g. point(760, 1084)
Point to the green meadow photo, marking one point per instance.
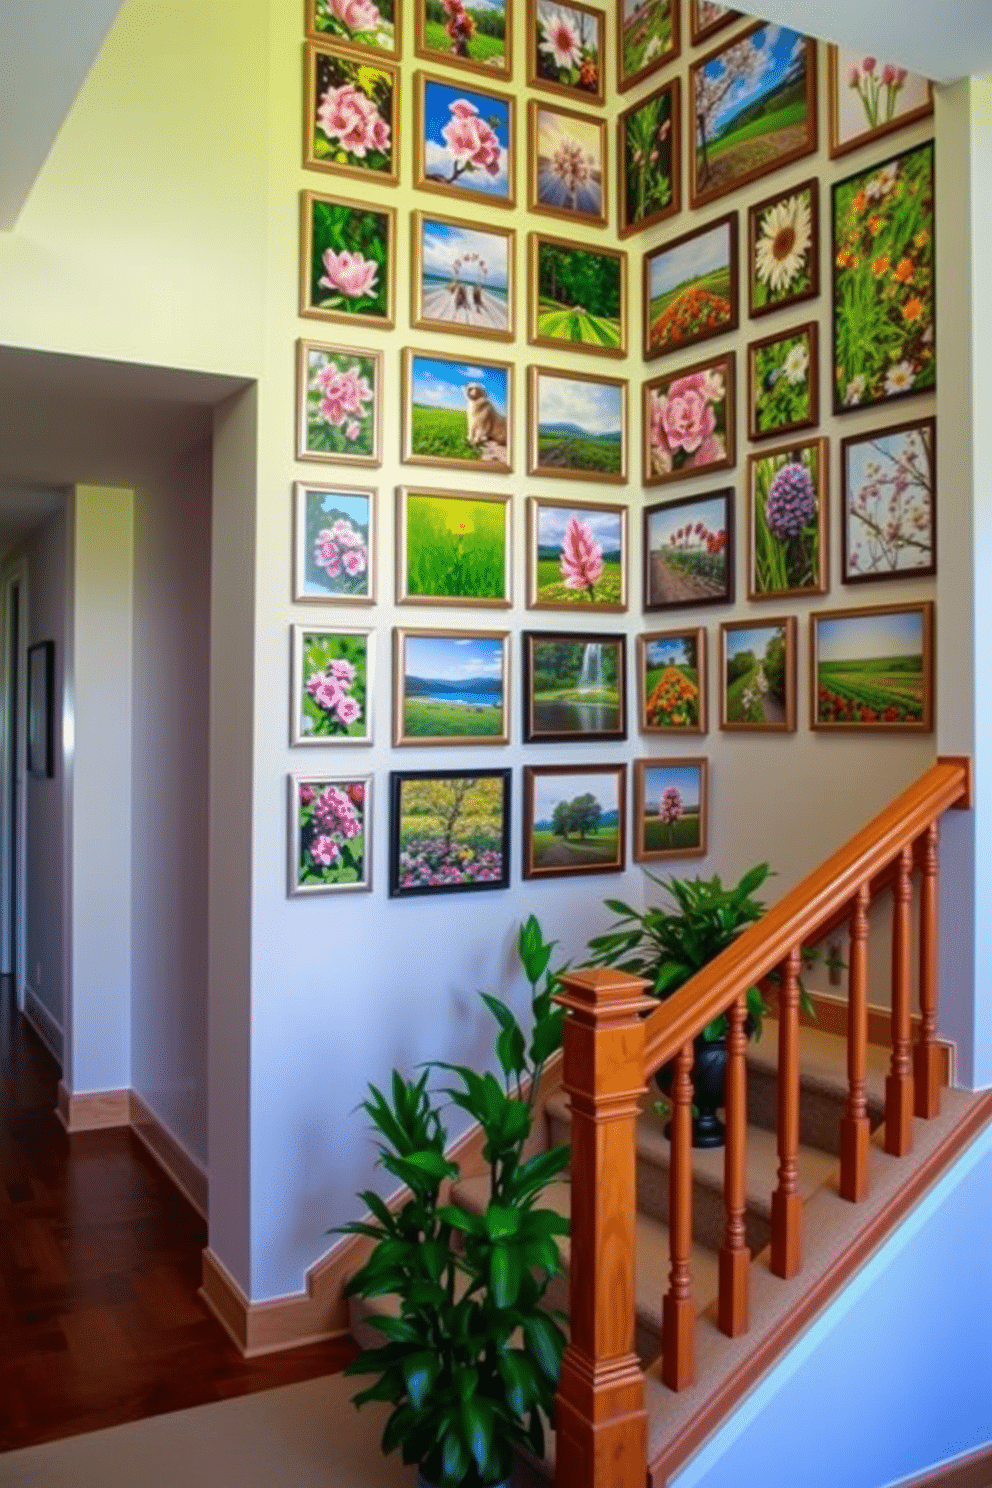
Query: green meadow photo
point(456, 412)
point(648, 38)
point(690, 288)
point(788, 547)
point(669, 809)
point(754, 106)
point(758, 682)
point(476, 36)
point(578, 426)
point(331, 686)
point(573, 820)
point(576, 555)
point(874, 668)
point(453, 548)
point(450, 687)
point(346, 260)
point(329, 841)
point(672, 681)
point(578, 297)
point(574, 686)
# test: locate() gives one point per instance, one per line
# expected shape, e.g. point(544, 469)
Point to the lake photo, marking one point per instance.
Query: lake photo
point(574, 686)
point(450, 687)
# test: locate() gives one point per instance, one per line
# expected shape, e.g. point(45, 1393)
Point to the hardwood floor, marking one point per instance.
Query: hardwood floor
point(99, 1268)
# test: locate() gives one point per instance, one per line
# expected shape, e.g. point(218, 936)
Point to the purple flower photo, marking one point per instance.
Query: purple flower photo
point(788, 547)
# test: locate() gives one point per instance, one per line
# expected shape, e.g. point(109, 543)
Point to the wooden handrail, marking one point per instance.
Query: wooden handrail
point(824, 895)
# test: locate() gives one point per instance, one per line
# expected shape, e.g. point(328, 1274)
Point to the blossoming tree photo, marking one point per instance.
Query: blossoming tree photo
point(329, 847)
point(449, 831)
point(352, 115)
point(787, 546)
point(888, 483)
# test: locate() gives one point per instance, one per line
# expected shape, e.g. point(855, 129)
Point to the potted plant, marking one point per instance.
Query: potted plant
point(668, 945)
point(470, 1362)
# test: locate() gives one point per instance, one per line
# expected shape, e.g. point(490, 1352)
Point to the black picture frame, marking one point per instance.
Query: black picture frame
point(477, 869)
point(41, 710)
point(690, 582)
point(562, 719)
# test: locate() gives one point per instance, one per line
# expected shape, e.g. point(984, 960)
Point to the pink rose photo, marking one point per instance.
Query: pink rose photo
point(689, 421)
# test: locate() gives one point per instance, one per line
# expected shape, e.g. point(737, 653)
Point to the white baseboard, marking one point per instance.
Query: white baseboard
point(44, 1024)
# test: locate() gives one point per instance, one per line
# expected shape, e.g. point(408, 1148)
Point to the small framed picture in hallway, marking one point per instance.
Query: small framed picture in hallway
point(41, 709)
point(758, 674)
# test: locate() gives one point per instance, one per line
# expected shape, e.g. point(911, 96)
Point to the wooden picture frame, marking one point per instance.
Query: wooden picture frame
point(871, 669)
point(373, 126)
point(649, 159)
point(574, 686)
point(330, 834)
point(333, 685)
point(577, 296)
point(889, 503)
point(712, 88)
point(577, 426)
point(567, 164)
point(41, 710)
point(689, 551)
point(464, 419)
point(478, 858)
point(382, 34)
point(462, 277)
point(783, 249)
point(758, 675)
point(646, 41)
point(453, 548)
point(347, 261)
point(672, 681)
point(670, 808)
point(788, 541)
point(338, 401)
point(691, 289)
point(562, 56)
point(879, 110)
point(576, 556)
point(450, 687)
point(476, 44)
point(706, 18)
point(569, 802)
point(454, 126)
point(334, 543)
point(783, 382)
point(688, 420)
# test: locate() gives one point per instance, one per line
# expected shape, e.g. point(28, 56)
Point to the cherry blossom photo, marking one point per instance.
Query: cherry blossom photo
point(578, 426)
point(372, 24)
point(567, 163)
point(330, 841)
point(870, 97)
point(566, 45)
point(338, 403)
point(577, 555)
point(332, 686)
point(461, 33)
point(888, 503)
point(334, 547)
point(346, 260)
point(784, 249)
point(669, 809)
point(352, 116)
point(464, 141)
point(689, 421)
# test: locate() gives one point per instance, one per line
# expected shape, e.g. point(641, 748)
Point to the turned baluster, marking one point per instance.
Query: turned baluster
point(787, 1205)
point(926, 1065)
point(600, 1416)
point(735, 1257)
point(855, 1129)
point(899, 1084)
point(678, 1321)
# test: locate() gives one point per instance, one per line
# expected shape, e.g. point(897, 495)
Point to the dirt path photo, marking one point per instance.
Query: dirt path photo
point(738, 161)
point(669, 587)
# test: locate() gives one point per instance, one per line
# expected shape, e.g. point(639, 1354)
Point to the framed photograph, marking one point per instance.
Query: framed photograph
point(787, 520)
point(869, 98)
point(690, 288)
point(463, 141)
point(577, 425)
point(575, 686)
point(574, 820)
point(689, 421)
point(566, 164)
point(456, 413)
point(783, 249)
point(649, 155)
point(334, 544)
point(706, 17)
point(331, 686)
point(352, 123)
point(873, 669)
point(758, 675)
point(347, 260)
point(453, 547)
point(883, 301)
point(689, 551)
point(648, 38)
point(753, 100)
point(576, 555)
point(671, 681)
point(783, 382)
point(669, 809)
point(451, 687)
point(449, 831)
point(565, 49)
point(330, 834)
point(577, 297)
point(461, 276)
point(41, 710)
point(372, 25)
point(889, 503)
point(337, 404)
point(477, 37)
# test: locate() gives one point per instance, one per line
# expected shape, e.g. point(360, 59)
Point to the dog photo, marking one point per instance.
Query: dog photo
point(456, 412)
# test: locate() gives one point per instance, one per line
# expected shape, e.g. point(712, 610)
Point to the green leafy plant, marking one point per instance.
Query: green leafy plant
point(470, 1363)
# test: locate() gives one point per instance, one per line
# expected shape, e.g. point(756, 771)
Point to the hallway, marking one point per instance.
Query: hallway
point(100, 1321)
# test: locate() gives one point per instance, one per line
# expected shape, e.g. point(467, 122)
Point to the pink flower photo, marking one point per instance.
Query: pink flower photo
point(346, 260)
point(577, 555)
point(329, 834)
point(352, 119)
point(464, 141)
point(331, 681)
point(356, 23)
point(689, 421)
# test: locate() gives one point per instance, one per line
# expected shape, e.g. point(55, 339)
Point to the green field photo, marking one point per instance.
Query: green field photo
point(455, 547)
point(457, 411)
point(873, 668)
point(581, 426)
point(474, 33)
point(580, 297)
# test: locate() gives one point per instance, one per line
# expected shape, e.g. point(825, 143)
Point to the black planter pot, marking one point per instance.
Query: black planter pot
point(709, 1080)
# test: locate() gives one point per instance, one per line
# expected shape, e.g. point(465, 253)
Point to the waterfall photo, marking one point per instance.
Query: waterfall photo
point(574, 686)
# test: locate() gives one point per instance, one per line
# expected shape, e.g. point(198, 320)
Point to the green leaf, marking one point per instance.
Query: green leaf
point(511, 1051)
point(546, 1342)
point(505, 1272)
point(477, 1420)
point(499, 1010)
point(420, 1371)
point(454, 1458)
point(501, 1222)
point(389, 1386)
point(547, 1036)
point(462, 1219)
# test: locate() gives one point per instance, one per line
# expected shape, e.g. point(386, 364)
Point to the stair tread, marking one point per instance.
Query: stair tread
point(822, 1059)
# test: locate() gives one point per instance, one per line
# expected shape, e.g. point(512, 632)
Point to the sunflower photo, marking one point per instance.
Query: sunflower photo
point(784, 249)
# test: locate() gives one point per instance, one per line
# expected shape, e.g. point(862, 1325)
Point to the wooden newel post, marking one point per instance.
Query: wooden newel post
point(601, 1421)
